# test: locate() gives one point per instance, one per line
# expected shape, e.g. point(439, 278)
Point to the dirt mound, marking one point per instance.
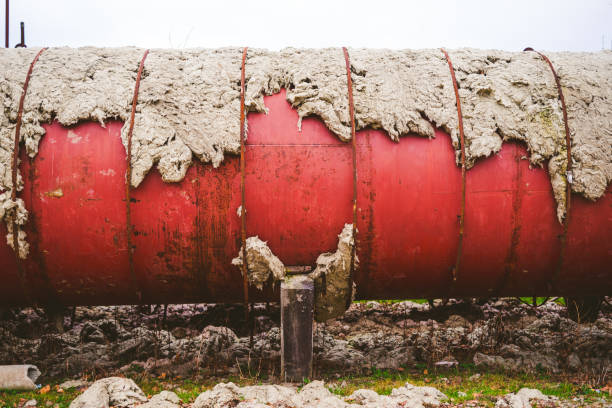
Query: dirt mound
point(500, 334)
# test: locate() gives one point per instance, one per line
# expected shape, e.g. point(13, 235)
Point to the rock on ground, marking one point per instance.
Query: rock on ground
point(524, 398)
point(66, 385)
point(315, 394)
point(165, 399)
point(110, 392)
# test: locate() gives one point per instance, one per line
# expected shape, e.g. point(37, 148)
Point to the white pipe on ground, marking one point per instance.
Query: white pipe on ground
point(18, 377)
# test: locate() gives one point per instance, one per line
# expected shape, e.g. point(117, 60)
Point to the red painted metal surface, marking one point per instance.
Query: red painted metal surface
point(298, 196)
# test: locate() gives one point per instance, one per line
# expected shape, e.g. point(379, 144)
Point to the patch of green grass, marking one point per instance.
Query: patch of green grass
point(188, 389)
point(541, 300)
point(528, 300)
point(461, 384)
point(12, 399)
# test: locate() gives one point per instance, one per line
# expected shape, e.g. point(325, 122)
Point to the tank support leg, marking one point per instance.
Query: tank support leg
point(297, 302)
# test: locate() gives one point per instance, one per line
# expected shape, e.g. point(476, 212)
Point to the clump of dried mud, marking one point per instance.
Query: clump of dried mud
point(189, 103)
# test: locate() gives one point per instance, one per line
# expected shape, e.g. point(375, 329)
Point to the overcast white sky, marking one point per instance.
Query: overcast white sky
point(510, 25)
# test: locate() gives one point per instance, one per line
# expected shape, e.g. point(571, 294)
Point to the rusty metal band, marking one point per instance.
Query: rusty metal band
point(455, 269)
point(351, 104)
point(15, 163)
point(568, 170)
point(245, 278)
point(128, 182)
point(14, 167)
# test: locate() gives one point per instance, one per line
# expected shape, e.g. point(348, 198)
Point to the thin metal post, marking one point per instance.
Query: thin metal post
point(6, 26)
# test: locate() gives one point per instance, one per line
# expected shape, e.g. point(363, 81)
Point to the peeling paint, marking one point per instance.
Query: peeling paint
point(57, 193)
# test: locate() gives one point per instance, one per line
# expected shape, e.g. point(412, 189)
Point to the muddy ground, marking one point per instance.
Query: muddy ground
point(204, 339)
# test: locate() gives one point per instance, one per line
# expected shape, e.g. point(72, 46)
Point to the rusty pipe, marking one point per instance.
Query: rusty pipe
point(6, 25)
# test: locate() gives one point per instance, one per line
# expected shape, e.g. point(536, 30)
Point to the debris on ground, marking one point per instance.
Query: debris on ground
point(500, 334)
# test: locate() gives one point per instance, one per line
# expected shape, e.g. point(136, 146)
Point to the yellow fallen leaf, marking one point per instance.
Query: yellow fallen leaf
point(45, 389)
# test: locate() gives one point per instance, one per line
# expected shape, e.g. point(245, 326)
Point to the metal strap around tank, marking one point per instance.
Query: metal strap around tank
point(455, 269)
point(128, 182)
point(15, 163)
point(354, 154)
point(568, 170)
point(245, 278)
point(15, 166)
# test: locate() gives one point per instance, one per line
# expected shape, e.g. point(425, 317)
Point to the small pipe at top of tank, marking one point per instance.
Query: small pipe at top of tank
point(22, 44)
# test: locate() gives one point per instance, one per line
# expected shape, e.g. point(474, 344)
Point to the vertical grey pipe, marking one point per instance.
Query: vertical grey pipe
point(6, 26)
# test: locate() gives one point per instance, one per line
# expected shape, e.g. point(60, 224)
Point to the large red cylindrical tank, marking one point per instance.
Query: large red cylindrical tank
point(298, 198)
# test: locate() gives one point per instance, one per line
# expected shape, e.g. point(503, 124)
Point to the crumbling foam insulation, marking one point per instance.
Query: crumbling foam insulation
point(262, 264)
point(331, 275)
point(14, 211)
point(189, 102)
